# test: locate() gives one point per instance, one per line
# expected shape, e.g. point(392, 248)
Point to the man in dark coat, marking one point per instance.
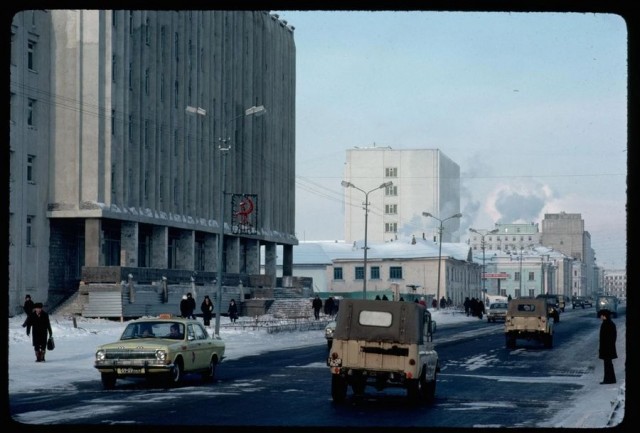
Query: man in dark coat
point(607, 350)
point(184, 307)
point(38, 321)
point(28, 305)
point(192, 306)
point(316, 305)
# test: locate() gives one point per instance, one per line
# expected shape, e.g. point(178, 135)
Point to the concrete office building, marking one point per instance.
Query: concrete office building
point(565, 232)
point(424, 180)
point(123, 126)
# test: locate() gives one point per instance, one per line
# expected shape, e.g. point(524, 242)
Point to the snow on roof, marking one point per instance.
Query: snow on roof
point(324, 252)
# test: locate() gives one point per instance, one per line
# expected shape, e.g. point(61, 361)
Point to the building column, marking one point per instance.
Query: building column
point(252, 260)
point(287, 260)
point(92, 241)
point(159, 247)
point(232, 250)
point(270, 261)
point(210, 248)
point(185, 249)
point(129, 244)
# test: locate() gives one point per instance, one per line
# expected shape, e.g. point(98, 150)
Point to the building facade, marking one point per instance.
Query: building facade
point(424, 180)
point(565, 232)
point(507, 237)
point(129, 128)
point(615, 283)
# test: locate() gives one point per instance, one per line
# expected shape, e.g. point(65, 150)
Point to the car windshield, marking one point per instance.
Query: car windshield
point(148, 329)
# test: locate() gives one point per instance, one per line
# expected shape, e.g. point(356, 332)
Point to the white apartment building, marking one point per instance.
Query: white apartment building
point(424, 180)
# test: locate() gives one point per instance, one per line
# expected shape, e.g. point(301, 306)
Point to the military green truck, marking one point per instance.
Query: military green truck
point(527, 318)
point(383, 344)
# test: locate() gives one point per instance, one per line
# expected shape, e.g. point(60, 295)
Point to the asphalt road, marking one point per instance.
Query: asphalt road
point(481, 384)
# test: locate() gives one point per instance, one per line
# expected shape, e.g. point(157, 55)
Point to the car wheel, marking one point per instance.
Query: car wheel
point(429, 389)
point(413, 390)
point(108, 380)
point(338, 388)
point(175, 376)
point(211, 372)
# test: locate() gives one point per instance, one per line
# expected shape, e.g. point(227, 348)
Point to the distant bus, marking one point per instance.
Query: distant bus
point(605, 302)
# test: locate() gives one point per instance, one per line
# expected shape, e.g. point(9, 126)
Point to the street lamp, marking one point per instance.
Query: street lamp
point(427, 214)
point(223, 147)
point(484, 278)
point(366, 217)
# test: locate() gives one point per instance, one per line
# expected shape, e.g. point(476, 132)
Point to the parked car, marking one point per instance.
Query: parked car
point(607, 302)
point(328, 332)
point(497, 311)
point(164, 347)
point(581, 302)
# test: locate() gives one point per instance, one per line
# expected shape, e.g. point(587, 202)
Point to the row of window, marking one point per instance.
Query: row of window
point(395, 273)
point(506, 239)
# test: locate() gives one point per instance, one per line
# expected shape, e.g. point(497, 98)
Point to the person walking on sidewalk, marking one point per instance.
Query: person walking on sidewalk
point(38, 321)
point(607, 350)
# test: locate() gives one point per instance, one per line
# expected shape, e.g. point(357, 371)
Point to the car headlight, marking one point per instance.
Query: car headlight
point(161, 354)
point(100, 355)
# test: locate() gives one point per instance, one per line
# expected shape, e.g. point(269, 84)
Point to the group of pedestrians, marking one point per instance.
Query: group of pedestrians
point(38, 326)
point(330, 306)
point(474, 307)
point(188, 306)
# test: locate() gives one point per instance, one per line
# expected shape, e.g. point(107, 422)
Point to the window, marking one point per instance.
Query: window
point(359, 273)
point(176, 46)
point(391, 190)
point(161, 87)
point(130, 129)
point(337, 274)
point(31, 49)
point(146, 133)
point(130, 22)
point(516, 276)
point(114, 70)
point(30, 168)
point(395, 272)
point(113, 178)
point(13, 40)
point(531, 276)
point(29, 239)
point(146, 81)
point(391, 172)
point(391, 227)
point(147, 31)
point(375, 273)
point(113, 122)
point(175, 94)
point(130, 75)
point(31, 115)
point(391, 209)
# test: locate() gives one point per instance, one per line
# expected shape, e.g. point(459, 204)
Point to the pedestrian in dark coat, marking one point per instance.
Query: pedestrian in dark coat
point(184, 307)
point(207, 310)
point(28, 308)
point(38, 321)
point(467, 305)
point(233, 311)
point(192, 306)
point(328, 306)
point(317, 306)
point(28, 305)
point(607, 350)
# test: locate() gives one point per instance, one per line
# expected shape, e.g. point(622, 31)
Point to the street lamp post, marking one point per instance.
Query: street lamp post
point(223, 147)
point(482, 244)
point(366, 219)
point(427, 214)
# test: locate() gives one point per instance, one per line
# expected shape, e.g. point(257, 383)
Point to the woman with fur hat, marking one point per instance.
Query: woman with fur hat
point(607, 350)
point(38, 320)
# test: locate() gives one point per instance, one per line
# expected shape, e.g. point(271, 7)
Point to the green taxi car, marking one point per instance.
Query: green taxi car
point(164, 347)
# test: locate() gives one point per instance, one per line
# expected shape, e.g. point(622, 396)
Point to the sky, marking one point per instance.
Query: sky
point(531, 106)
point(71, 362)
